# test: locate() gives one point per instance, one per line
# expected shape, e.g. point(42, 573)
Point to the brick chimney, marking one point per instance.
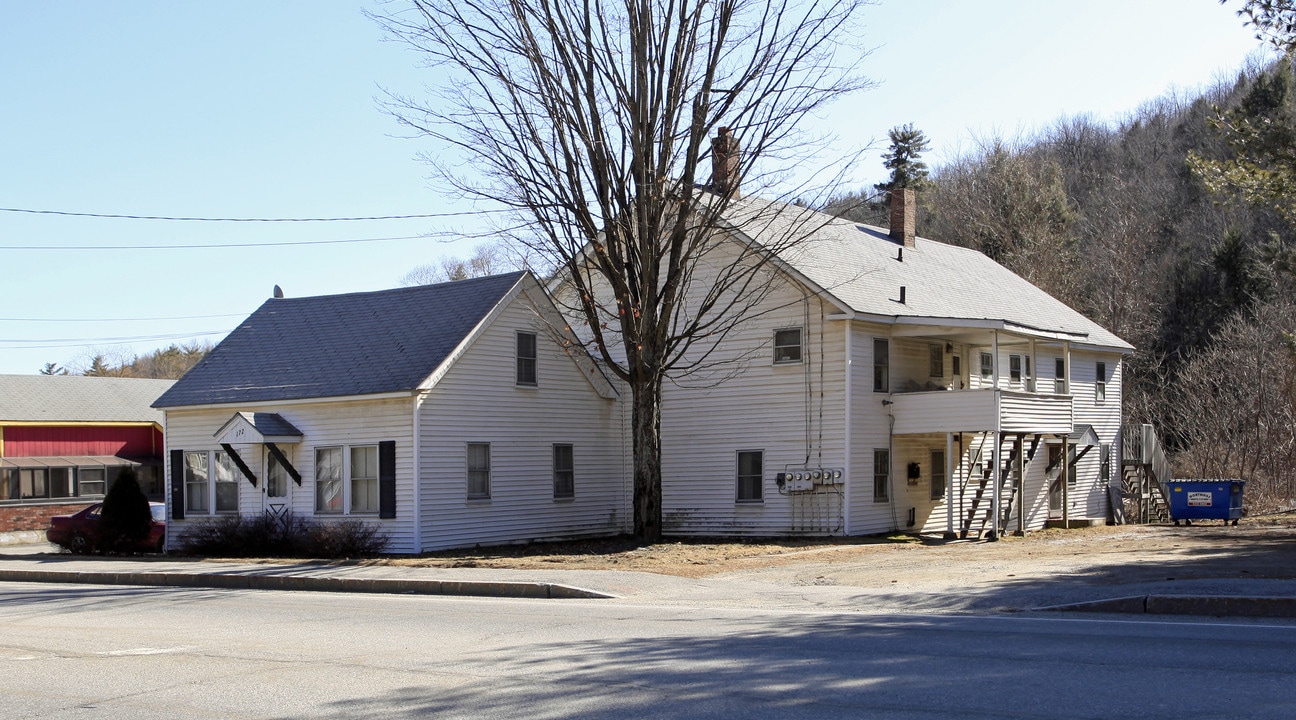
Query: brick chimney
point(724, 163)
point(904, 216)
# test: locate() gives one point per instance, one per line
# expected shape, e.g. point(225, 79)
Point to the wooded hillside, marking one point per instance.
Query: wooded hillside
point(1116, 222)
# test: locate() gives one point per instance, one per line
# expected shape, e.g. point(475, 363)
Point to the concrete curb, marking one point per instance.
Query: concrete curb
point(239, 581)
point(1210, 605)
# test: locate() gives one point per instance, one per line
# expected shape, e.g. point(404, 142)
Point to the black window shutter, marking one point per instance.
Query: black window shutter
point(387, 479)
point(177, 485)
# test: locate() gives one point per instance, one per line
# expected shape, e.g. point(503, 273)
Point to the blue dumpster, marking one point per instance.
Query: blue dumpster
point(1205, 500)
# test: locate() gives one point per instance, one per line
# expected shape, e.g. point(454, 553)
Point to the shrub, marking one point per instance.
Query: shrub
point(261, 536)
point(124, 518)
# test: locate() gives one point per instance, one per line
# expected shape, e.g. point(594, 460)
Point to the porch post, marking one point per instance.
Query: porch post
point(994, 493)
point(1066, 501)
point(994, 364)
point(1034, 368)
point(1066, 365)
point(1021, 484)
point(949, 484)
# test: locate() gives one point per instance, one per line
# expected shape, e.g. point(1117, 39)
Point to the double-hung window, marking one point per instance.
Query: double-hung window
point(751, 474)
point(881, 474)
point(479, 471)
point(364, 479)
point(328, 480)
point(1059, 376)
point(526, 358)
point(936, 361)
point(347, 480)
point(1015, 368)
point(881, 365)
point(787, 346)
point(195, 478)
point(226, 482)
point(987, 366)
point(937, 474)
point(1100, 383)
point(564, 471)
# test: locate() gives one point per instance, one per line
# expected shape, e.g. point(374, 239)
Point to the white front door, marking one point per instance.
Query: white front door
point(277, 490)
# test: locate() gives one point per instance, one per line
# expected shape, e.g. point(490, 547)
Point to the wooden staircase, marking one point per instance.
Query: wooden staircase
point(1010, 486)
point(1144, 472)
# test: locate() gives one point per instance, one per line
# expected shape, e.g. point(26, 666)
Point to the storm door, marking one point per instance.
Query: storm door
point(277, 491)
point(1055, 480)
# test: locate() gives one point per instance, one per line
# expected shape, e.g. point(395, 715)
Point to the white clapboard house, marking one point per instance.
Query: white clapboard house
point(893, 383)
point(885, 382)
point(448, 415)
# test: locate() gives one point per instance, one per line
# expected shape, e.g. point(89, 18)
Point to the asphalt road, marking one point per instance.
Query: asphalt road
point(120, 652)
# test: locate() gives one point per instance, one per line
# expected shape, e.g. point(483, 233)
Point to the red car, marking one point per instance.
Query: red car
point(79, 532)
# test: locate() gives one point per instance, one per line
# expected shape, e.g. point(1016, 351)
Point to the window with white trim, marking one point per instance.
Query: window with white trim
point(987, 366)
point(751, 476)
point(1015, 368)
point(1100, 383)
point(564, 471)
point(226, 482)
point(787, 346)
point(526, 358)
point(881, 474)
point(936, 361)
point(328, 481)
point(937, 474)
point(479, 471)
point(881, 365)
point(195, 478)
point(364, 479)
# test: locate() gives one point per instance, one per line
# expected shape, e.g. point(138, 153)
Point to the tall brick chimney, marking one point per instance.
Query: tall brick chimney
point(904, 216)
point(724, 163)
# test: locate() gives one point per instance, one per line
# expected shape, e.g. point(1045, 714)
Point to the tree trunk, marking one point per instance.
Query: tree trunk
point(646, 424)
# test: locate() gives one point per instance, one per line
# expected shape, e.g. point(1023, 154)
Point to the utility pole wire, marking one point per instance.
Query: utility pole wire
point(116, 216)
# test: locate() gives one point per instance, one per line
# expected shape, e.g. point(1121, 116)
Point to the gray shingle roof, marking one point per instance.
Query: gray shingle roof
point(858, 265)
point(270, 424)
point(340, 345)
point(75, 398)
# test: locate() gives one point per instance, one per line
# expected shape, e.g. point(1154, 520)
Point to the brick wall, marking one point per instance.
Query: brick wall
point(33, 517)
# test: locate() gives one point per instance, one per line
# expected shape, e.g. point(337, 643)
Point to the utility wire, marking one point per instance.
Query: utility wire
point(123, 216)
point(64, 342)
point(211, 246)
point(144, 319)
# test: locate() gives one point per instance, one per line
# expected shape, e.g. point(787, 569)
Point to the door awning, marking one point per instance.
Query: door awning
point(246, 427)
point(1084, 435)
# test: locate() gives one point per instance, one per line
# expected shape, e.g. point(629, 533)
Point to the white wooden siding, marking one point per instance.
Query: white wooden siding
point(1089, 498)
point(322, 424)
point(870, 430)
point(794, 413)
point(479, 401)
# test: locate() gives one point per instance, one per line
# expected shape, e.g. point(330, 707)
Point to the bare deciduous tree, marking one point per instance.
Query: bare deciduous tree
point(593, 122)
point(487, 259)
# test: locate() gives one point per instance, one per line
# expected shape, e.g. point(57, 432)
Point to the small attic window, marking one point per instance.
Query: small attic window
point(787, 346)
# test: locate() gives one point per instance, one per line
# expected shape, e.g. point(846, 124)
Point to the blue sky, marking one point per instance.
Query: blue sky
point(268, 109)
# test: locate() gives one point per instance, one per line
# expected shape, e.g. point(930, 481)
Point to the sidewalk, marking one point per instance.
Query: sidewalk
point(40, 562)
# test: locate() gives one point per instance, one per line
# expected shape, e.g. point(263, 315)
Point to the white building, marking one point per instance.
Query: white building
point(898, 383)
point(448, 415)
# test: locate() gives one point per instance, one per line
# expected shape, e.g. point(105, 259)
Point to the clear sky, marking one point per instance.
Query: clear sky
point(268, 109)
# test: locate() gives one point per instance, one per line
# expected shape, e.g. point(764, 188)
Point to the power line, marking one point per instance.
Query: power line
point(213, 246)
point(124, 216)
point(144, 319)
point(76, 342)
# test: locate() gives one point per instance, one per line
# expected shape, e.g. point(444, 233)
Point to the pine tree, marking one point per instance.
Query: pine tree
point(902, 159)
